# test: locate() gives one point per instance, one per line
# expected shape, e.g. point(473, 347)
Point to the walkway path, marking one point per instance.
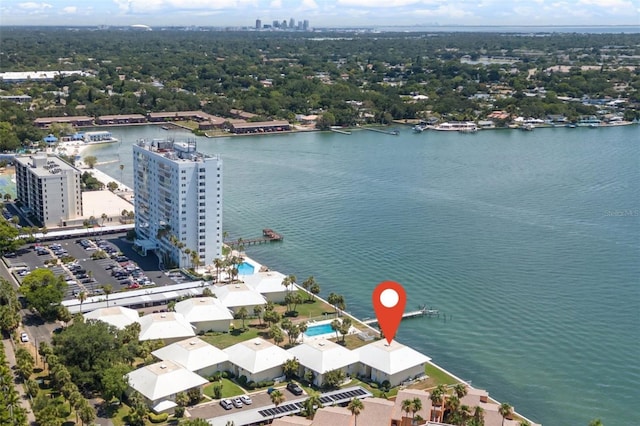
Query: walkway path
point(24, 399)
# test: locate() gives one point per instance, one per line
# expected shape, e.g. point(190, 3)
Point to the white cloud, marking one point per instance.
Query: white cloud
point(145, 6)
point(308, 4)
point(70, 10)
point(276, 4)
point(377, 3)
point(34, 6)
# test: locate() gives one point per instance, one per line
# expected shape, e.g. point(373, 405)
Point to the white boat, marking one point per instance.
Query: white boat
point(458, 126)
point(418, 128)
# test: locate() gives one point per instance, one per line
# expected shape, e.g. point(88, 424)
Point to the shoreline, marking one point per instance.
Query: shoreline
point(377, 332)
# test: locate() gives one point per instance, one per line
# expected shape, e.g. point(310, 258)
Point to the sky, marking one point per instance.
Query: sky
point(320, 13)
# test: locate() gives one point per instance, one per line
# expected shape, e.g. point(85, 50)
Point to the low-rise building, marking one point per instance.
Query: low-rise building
point(268, 284)
point(117, 316)
point(322, 356)
point(195, 355)
point(160, 382)
point(257, 359)
point(395, 362)
point(236, 296)
point(205, 314)
point(167, 326)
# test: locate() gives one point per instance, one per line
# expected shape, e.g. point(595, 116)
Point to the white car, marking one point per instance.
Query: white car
point(246, 399)
point(24, 337)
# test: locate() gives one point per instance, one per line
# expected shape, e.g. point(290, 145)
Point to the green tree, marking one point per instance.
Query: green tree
point(505, 411)
point(277, 398)
point(308, 284)
point(242, 314)
point(90, 160)
point(257, 311)
point(24, 363)
point(276, 335)
point(113, 382)
point(9, 307)
point(290, 368)
point(333, 379)
point(355, 406)
point(311, 404)
point(44, 292)
point(87, 413)
point(8, 237)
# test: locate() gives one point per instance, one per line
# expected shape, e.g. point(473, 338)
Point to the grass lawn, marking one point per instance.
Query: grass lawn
point(376, 392)
point(229, 389)
point(224, 340)
point(436, 377)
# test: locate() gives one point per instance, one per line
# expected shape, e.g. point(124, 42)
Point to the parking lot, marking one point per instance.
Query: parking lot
point(122, 268)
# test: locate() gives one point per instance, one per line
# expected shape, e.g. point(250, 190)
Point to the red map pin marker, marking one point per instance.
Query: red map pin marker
point(389, 300)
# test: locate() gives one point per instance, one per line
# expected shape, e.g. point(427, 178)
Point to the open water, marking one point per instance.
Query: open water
point(529, 242)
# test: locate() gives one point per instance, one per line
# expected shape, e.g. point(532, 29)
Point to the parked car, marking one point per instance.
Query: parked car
point(24, 337)
point(294, 388)
point(226, 404)
point(237, 402)
point(246, 399)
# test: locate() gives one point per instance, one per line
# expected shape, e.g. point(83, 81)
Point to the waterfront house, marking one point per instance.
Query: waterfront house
point(235, 296)
point(395, 362)
point(160, 382)
point(257, 359)
point(205, 314)
point(195, 355)
point(268, 284)
point(117, 316)
point(167, 326)
point(322, 356)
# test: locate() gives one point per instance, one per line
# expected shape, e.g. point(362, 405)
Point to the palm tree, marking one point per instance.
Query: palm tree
point(257, 311)
point(356, 407)
point(312, 403)
point(242, 314)
point(505, 411)
point(406, 406)
point(108, 289)
point(478, 416)
point(307, 285)
point(121, 169)
point(416, 405)
point(277, 398)
point(437, 397)
point(460, 390)
point(82, 296)
point(219, 265)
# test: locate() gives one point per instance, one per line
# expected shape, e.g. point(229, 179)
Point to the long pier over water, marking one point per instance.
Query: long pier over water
point(411, 314)
point(268, 236)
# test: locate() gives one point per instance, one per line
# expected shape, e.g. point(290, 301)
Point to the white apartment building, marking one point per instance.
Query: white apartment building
point(49, 188)
point(178, 201)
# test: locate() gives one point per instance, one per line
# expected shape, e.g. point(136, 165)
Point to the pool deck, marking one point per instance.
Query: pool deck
point(330, 335)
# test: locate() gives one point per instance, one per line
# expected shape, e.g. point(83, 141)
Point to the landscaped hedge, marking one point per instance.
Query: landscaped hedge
point(158, 418)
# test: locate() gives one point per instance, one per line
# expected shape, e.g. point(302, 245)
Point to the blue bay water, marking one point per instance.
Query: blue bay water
point(528, 242)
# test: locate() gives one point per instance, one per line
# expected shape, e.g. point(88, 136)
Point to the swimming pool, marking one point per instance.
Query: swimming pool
point(245, 269)
point(316, 330)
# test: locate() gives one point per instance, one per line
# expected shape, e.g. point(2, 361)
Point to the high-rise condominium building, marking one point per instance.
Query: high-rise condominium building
point(178, 202)
point(258, 24)
point(49, 188)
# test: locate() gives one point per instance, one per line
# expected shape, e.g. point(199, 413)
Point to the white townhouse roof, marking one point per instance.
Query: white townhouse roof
point(201, 309)
point(118, 316)
point(390, 358)
point(235, 295)
point(193, 354)
point(162, 379)
point(164, 325)
point(257, 355)
point(323, 355)
point(265, 282)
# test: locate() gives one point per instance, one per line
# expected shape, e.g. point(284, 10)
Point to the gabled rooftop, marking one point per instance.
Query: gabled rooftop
point(257, 355)
point(201, 309)
point(390, 358)
point(162, 379)
point(323, 355)
point(235, 295)
point(164, 325)
point(193, 354)
point(117, 316)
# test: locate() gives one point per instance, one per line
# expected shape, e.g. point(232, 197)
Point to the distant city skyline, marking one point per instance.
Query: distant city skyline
point(321, 13)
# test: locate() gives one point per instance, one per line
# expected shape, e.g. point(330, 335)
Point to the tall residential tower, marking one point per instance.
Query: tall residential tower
point(178, 202)
point(49, 188)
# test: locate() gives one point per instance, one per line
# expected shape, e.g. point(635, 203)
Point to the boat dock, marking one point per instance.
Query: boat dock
point(387, 132)
point(268, 236)
point(342, 132)
point(411, 314)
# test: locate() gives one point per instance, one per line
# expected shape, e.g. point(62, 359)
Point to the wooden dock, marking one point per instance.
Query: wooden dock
point(342, 132)
point(268, 236)
point(411, 314)
point(387, 132)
